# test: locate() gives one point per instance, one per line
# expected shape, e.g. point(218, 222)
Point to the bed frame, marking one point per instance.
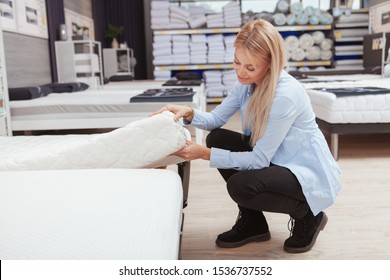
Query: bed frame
point(67, 121)
point(335, 129)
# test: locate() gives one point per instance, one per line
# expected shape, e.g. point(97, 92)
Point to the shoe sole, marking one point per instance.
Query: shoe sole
point(257, 238)
point(321, 226)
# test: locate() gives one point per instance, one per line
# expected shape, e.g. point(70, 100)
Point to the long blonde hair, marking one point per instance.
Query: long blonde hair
point(260, 40)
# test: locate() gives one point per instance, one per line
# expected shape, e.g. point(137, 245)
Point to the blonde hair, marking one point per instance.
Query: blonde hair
point(260, 40)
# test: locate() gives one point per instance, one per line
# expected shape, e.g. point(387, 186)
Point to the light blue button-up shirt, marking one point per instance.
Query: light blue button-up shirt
point(291, 139)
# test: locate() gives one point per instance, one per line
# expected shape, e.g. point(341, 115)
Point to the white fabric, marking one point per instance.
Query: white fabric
point(140, 144)
point(159, 5)
point(100, 214)
point(198, 22)
point(373, 108)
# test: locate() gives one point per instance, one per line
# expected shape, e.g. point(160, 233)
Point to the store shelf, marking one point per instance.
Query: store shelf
point(194, 67)
point(162, 68)
point(350, 39)
point(79, 61)
point(196, 31)
point(303, 28)
point(309, 63)
point(237, 29)
point(349, 53)
point(351, 24)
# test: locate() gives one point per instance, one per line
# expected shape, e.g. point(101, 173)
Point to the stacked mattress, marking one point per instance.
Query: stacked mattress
point(361, 107)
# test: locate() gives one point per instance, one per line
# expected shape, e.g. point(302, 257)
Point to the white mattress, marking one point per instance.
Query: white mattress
point(104, 214)
point(108, 107)
point(141, 144)
point(351, 109)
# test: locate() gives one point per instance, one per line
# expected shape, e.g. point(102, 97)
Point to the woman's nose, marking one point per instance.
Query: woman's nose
point(240, 71)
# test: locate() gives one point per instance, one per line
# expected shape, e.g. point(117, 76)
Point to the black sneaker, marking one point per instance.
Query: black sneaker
point(248, 228)
point(304, 232)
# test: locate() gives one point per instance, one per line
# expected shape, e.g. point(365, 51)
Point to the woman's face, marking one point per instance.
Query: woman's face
point(248, 69)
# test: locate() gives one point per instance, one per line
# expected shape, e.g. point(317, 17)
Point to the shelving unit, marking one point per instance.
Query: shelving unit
point(79, 61)
point(118, 62)
point(5, 121)
point(379, 28)
point(299, 30)
point(196, 31)
point(348, 36)
point(168, 68)
point(281, 29)
point(196, 56)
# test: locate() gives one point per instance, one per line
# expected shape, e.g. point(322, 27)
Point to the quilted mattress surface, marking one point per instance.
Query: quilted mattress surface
point(95, 214)
point(372, 108)
point(141, 144)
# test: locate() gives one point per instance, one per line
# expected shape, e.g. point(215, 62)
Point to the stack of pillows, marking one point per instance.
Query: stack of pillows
point(26, 93)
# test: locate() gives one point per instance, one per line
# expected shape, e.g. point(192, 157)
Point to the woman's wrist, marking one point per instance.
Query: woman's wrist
point(190, 115)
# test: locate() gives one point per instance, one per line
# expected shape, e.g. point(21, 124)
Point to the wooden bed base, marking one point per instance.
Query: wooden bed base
point(349, 128)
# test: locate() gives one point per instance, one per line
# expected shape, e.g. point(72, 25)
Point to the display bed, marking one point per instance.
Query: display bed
point(362, 112)
point(108, 107)
point(146, 143)
point(100, 214)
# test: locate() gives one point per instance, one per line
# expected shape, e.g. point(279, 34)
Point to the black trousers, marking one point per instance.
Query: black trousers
point(272, 189)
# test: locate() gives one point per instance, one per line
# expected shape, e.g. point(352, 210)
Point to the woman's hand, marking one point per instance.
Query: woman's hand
point(193, 151)
point(180, 111)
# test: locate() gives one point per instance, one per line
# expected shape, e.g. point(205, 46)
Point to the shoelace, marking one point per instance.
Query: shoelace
point(291, 225)
point(299, 228)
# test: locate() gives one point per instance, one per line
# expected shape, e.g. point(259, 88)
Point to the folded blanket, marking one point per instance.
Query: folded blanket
point(66, 87)
point(145, 143)
point(26, 93)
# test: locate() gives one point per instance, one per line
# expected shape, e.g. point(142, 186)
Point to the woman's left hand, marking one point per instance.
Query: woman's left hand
point(193, 151)
point(178, 110)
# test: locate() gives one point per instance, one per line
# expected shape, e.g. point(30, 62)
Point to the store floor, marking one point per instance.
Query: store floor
point(359, 221)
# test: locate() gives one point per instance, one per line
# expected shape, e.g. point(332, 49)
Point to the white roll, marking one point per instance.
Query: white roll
point(326, 18)
point(291, 42)
point(313, 53)
point(296, 8)
point(318, 37)
point(303, 69)
point(320, 68)
point(291, 19)
point(298, 54)
point(326, 55)
point(302, 19)
point(314, 20)
point(309, 10)
point(326, 44)
point(306, 41)
point(317, 12)
point(279, 19)
point(282, 6)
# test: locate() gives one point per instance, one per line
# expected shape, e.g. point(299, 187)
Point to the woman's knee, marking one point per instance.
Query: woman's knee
point(213, 138)
point(240, 188)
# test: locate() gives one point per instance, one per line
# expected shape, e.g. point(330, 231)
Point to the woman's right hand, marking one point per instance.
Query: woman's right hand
point(180, 111)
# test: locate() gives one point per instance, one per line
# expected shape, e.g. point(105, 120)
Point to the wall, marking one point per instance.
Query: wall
point(82, 7)
point(376, 2)
point(27, 58)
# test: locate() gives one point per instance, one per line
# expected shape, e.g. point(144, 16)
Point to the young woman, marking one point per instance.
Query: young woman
point(281, 163)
